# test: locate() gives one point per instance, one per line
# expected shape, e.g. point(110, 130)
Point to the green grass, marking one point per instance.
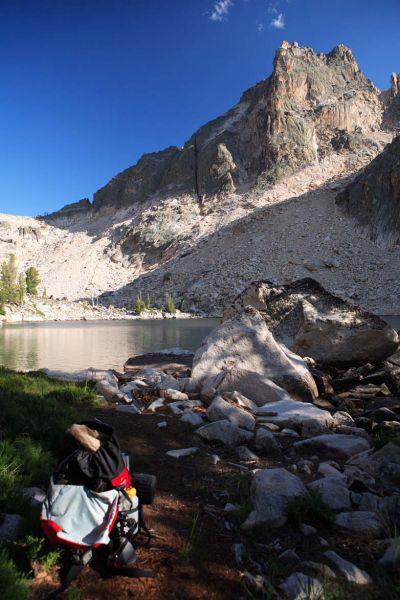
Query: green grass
point(37, 550)
point(310, 509)
point(389, 437)
point(243, 500)
point(13, 584)
point(34, 413)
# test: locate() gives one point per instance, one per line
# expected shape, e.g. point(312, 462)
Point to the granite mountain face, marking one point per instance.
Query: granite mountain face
point(279, 125)
point(251, 195)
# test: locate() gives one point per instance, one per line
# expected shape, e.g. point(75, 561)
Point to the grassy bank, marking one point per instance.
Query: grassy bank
point(34, 414)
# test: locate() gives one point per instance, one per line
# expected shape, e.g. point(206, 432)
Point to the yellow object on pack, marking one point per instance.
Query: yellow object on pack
point(131, 492)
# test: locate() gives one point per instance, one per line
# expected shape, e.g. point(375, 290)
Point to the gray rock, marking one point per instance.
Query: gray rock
point(317, 569)
point(271, 490)
point(220, 409)
point(327, 470)
point(265, 440)
point(192, 418)
point(342, 417)
point(286, 432)
point(289, 555)
point(243, 401)
point(11, 527)
point(128, 387)
point(342, 446)
point(244, 453)
point(245, 352)
point(35, 495)
point(225, 432)
point(392, 553)
point(128, 408)
point(270, 426)
point(307, 529)
point(350, 571)
point(190, 385)
point(181, 452)
point(156, 404)
point(346, 430)
point(110, 391)
point(333, 491)
point(302, 416)
point(172, 394)
point(362, 523)
point(162, 424)
point(302, 587)
point(383, 464)
point(370, 502)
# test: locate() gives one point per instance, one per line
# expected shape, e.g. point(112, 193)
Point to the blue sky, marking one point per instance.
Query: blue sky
point(87, 86)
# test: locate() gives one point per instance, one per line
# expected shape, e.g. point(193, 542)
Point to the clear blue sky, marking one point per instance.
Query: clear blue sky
point(87, 86)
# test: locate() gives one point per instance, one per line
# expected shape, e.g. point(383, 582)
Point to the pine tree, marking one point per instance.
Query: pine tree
point(32, 281)
point(21, 289)
point(9, 280)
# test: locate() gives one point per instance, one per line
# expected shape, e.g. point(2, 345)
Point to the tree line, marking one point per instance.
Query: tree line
point(15, 286)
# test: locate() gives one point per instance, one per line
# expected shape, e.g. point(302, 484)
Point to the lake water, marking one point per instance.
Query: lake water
point(101, 344)
point(77, 345)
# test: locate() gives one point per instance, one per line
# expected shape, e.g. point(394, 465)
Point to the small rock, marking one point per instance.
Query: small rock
point(362, 523)
point(156, 404)
point(289, 555)
point(215, 459)
point(318, 569)
point(307, 529)
point(392, 553)
point(192, 418)
point(10, 527)
point(162, 424)
point(270, 426)
point(225, 432)
point(350, 571)
point(181, 452)
point(244, 453)
point(289, 433)
point(220, 409)
point(343, 418)
point(265, 440)
point(271, 490)
point(35, 495)
point(323, 542)
point(172, 394)
point(176, 407)
point(346, 430)
point(343, 446)
point(243, 401)
point(333, 491)
point(370, 502)
point(327, 470)
point(302, 587)
point(238, 550)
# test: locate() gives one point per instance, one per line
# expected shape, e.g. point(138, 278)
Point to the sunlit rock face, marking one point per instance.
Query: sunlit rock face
point(279, 125)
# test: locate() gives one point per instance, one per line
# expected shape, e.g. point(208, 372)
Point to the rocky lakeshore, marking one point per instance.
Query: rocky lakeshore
point(300, 441)
point(36, 310)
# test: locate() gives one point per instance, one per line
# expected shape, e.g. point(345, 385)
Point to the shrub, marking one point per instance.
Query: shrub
point(169, 304)
point(12, 583)
point(32, 281)
point(140, 305)
point(309, 508)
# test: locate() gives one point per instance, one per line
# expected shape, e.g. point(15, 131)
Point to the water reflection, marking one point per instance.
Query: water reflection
point(100, 344)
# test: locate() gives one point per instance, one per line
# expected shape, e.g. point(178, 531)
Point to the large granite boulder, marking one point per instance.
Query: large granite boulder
point(242, 355)
point(313, 322)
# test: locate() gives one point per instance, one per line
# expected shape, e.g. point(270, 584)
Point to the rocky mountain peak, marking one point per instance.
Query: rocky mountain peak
point(287, 121)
